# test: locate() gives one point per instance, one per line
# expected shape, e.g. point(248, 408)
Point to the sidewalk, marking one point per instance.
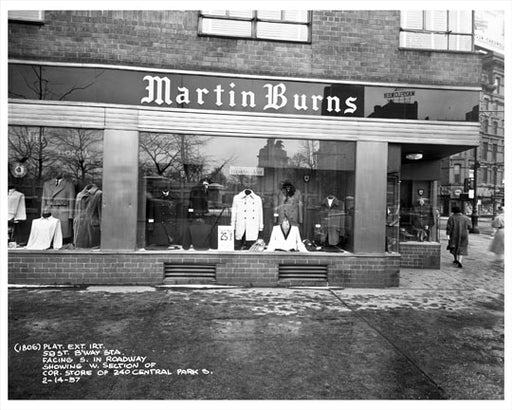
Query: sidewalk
point(440, 335)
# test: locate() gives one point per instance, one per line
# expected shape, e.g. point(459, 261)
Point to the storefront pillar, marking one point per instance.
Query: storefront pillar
point(370, 197)
point(120, 169)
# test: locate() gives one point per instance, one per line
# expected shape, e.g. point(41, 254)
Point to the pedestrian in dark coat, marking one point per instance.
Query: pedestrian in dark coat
point(457, 229)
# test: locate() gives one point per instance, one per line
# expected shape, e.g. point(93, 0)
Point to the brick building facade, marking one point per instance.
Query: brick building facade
point(87, 70)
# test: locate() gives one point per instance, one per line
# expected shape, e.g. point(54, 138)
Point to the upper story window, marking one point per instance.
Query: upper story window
point(485, 150)
point(456, 174)
point(450, 30)
point(284, 25)
point(495, 127)
point(485, 125)
point(497, 83)
point(494, 152)
point(485, 105)
point(32, 16)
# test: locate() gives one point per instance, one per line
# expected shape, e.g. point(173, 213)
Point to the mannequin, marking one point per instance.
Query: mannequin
point(290, 203)
point(423, 219)
point(162, 219)
point(332, 221)
point(246, 218)
point(59, 199)
point(88, 217)
point(285, 237)
point(198, 200)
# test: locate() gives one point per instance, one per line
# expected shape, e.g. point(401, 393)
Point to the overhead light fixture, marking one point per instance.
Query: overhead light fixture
point(414, 156)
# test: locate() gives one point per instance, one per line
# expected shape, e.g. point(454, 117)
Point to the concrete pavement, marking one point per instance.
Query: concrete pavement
point(440, 335)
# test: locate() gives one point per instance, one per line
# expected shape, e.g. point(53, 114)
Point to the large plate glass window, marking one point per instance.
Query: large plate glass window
point(284, 25)
point(192, 185)
point(450, 30)
point(55, 187)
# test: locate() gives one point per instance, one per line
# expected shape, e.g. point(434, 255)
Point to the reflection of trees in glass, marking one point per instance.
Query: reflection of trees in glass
point(178, 156)
point(306, 157)
point(39, 85)
point(171, 155)
point(77, 152)
point(31, 144)
point(28, 145)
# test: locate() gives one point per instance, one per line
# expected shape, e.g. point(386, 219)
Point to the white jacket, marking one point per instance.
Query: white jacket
point(43, 232)
point(292, 241)
point(247, 215)
point(16, 206)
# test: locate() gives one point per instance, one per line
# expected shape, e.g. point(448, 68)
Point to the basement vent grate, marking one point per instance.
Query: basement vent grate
point(303, 272)
point(189, 272)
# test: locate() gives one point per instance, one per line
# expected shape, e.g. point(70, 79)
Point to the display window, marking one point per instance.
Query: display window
point(55, 187)
point(419, 217)
point(245, 194)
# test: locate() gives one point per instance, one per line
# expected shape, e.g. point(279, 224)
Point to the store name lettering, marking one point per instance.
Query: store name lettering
point(159, 91)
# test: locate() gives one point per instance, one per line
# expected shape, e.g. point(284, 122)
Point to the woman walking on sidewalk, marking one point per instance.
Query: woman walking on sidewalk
point(457, 229)
point(498, 243)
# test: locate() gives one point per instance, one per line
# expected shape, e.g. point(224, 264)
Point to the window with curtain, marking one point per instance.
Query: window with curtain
point(450, 30)
point(283, 25)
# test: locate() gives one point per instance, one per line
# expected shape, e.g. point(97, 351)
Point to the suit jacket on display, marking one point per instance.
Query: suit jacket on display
point(285, 242)
point(162, 212)
point(198, 200)
point(247, 215)
point(16, 206)
point(88, 217)
point(44, 233)
point(332, 220)
point(59, 199)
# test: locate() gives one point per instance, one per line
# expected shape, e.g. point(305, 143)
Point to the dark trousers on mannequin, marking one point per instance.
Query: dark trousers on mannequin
point(242, 244)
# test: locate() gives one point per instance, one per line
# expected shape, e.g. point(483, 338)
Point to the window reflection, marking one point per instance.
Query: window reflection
point(59, 173)
point(192, 187)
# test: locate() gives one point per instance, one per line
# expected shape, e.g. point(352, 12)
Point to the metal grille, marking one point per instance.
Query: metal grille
point(316, 273)
point(189, 273)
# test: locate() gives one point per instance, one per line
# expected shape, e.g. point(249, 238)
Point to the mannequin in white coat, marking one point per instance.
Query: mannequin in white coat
point(246, 218)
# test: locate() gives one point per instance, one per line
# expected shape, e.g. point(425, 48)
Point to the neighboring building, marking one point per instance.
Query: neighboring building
point(165, 143)
point(457, 184)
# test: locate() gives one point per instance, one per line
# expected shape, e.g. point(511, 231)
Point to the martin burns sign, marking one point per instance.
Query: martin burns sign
point(271, 97)
point(225, 92)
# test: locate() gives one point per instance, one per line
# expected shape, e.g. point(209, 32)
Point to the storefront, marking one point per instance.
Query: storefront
point(164, 177)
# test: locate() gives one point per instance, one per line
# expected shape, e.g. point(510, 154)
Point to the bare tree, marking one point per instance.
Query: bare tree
point(173, 154)
point(29, 144)
point(79, 152)
point(42, 88)
point(307, 155)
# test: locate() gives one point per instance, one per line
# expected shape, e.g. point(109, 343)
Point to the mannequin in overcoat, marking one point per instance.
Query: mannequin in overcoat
point(290, 204)
point(59, 200)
